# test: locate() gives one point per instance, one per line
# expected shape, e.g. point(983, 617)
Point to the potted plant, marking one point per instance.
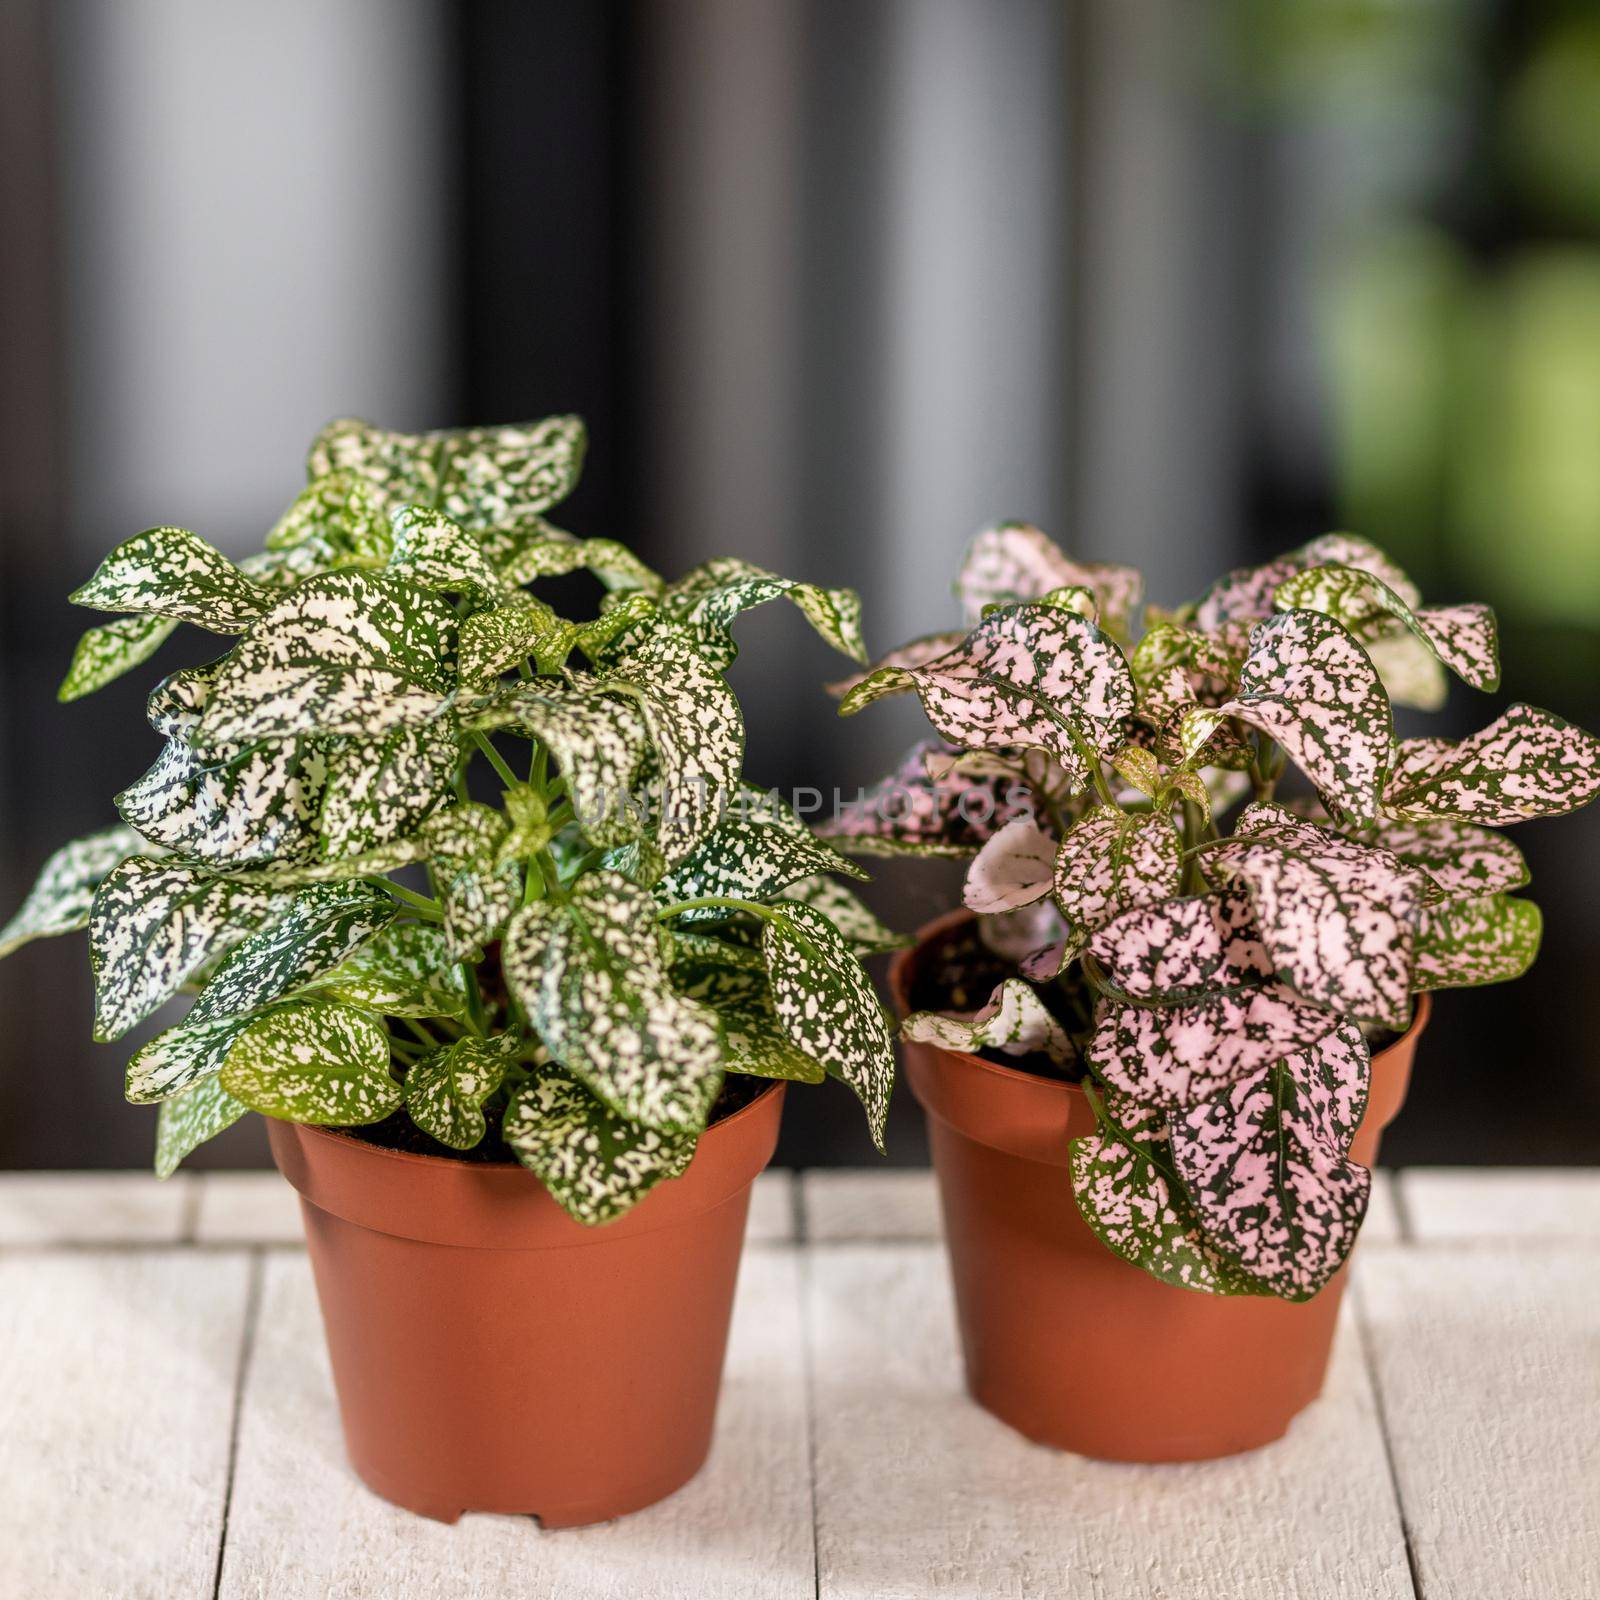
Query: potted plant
point(1159, 1047)
point(473, 904)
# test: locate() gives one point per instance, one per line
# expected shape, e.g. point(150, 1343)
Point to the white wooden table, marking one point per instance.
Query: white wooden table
point(167, 1427)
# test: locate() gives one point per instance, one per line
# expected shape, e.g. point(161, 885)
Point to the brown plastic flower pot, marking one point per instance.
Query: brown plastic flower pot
point(1065, 1341)
point(491, 1354)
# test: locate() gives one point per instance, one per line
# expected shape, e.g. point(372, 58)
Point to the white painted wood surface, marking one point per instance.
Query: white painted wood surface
point(166, 1433)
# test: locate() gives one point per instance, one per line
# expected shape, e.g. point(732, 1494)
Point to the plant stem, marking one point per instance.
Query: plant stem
point(475, 1015)
point(420, 903)
point(422, 1033)
point(766, 913)
point(496, 760)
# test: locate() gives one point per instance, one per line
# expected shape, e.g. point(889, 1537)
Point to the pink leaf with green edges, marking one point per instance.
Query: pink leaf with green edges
point(1183, 949)
point(1015, 868)
point(1265, 1164)
point(1015, 1021)
point(1113, 860)
point(1338, 918)
point(1173, 1055)
point(1309, 685)
point(1033, 676)
point(1527, 763)
point(1017, 561)
point(1457, 859)
point(913, 654)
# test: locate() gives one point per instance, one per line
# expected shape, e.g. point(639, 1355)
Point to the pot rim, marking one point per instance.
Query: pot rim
point(899, 988)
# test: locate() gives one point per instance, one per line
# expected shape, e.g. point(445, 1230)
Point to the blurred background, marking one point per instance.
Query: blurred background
point(834, 282)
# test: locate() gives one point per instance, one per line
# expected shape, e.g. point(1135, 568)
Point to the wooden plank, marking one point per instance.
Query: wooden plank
point(1455, 1204)
point(1383, 1215)
point(52, 1208)
point(920, 1492)
point(117, 1382)
point(771, 1208)
point(1486, 1366)
point(850, 1204)
point(301, 1524)
point(246, 1208)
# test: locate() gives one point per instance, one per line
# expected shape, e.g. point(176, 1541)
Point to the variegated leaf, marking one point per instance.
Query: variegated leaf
point(1033, 676)
point(407, 970)
point(753, 1040)
point(172, 573)
point(189, 1119)
point(178, 1058)
point(865, 934)
point(1138, 768)
point(600, 746)
point(1129, 1194)
point(238, 805)
point(742, 860)
point(1457, 859)
point(826, 1005)
point(1463, 943)
point(1527, 763)
point(445, 1091)
point(710, 596)
point(1013, 869)
point(353, 653)
point(1410, 671)
point(321, 926)
point(480, 892)
point(378, 790)
point(589, 974)
point(1309, 685)
point(913, 813)
point(154, 923)
point(1338, 918)
point(438, 553)
point(105, 653)
point(1265, 1164)
point(695, 725)
point(1116, 859)
point(596, 1164)
point(1016, 561)
point(495, 641)
point(1014, 1020)
point(1462, 637)
point(1183, 949)
point(482, 477)
point(341, 512)
point(64, 891)
point(315, 1061)
point(540, 552)
point(914, 654)
point(1173, 1055)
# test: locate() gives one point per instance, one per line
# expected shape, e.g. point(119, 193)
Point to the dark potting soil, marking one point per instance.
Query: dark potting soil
point(957, 971)
point(399, 1132)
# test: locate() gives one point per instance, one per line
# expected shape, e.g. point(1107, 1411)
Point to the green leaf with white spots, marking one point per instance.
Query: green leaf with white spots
point(600, 746)
point(438, 553)
point(342, 515)
point(407, 970)
point(1462, 638)
point(753, 1040)
point(154, 923)
point(596, 1164)
point(379, 790)
point(545, 556)
point(590, 975)
point(188, 1120)
point(445, 1091)
point(105, 653)
point(479, 892)
point(1463, 943)
point(381, 859)
point(708, 598)
point(742, 860)
point(320, 928)
point(602, 639)
point(1137, 767)
point(861, 929)
point(172, 573)
point(64, 891)
point(481, 477)
point(1129, 1193)
point(314, 1061)
point(177, 1058)
point(696, 728)
point(826, 1005)
point(353, 653)
point(495, 641)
